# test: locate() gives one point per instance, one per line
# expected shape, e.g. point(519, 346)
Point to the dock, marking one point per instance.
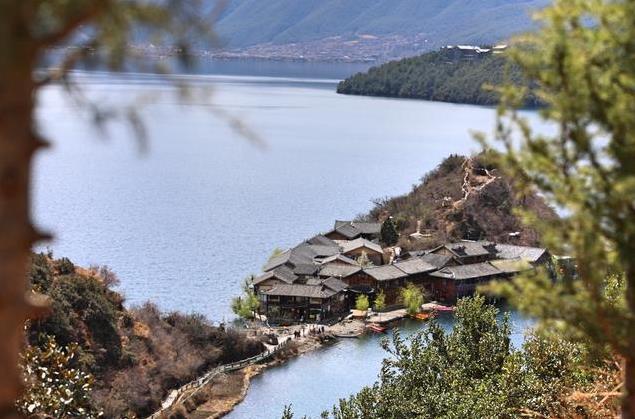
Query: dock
point(387, 317)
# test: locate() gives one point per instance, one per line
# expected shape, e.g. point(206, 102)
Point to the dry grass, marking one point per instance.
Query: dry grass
point(598, 400)
point(438, 202)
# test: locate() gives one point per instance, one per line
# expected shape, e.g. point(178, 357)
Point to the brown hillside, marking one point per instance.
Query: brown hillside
point(463, 198)
point(137, 355)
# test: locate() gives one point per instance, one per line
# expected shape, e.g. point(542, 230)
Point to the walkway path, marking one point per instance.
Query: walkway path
point(188, 390)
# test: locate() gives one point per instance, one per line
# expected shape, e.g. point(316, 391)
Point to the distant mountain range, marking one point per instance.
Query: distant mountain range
point(426, 24)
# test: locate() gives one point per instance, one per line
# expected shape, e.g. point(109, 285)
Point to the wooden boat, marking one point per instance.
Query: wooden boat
point(431, 307)
point(376, 328)
point(423, 316)
point(347, 335)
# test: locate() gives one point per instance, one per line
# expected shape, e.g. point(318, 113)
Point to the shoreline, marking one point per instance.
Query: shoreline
point(354, 327)
point(222, 394)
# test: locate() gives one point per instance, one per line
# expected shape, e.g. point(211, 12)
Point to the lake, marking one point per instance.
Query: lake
point(183, 222)
point(343, 369)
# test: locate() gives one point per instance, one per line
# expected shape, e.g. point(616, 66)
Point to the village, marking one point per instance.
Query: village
point(320, 280)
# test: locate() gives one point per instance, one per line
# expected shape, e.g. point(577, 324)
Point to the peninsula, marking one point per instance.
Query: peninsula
point(455, 73)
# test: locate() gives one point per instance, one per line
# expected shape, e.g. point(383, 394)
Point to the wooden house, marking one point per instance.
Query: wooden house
point(350, 230)
point(321, 277)
point(314, 301)
point(277, 276)
point(354, 249)
point(386, 278)
point(454, 282)
point(467, 252)
point(417, 270)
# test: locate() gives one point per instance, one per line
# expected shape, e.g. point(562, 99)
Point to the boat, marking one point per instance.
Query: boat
point(445, 308)
point(423, 316)
point(376, 328)
point(348, 335)
point(431, 307)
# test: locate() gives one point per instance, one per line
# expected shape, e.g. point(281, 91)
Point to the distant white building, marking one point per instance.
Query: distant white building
point(471, 52)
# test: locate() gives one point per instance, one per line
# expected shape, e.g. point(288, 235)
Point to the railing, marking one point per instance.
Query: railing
point(175, 395)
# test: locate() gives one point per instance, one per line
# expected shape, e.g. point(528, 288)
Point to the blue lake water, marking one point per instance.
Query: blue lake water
point(315, 381)
point(185, 221)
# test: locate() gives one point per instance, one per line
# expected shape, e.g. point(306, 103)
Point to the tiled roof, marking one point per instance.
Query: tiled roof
point(292, 257)
point(300, 290)
point(331, 282)
point(530, 254)
point(466, 249)
point(460, 272)
point(350, 245)
point(353, 229)
point(438, 261)
point(305, 269)
point(511, 266)
point(282, 273)
point(339, 270)
point(385, 272)
point(335, 284)
point(415, 266)
point(311, 251)
point(340, 258)
point(303, 254)
point(322, 241)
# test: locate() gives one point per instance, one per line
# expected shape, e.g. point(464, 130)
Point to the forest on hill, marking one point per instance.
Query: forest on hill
point(463, 198)
point(250, 22)
point(114, 361)
point(438, 76)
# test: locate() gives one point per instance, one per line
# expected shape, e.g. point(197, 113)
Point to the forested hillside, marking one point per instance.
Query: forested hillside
point(131, 358)
point(439, 77)
point(249, 22)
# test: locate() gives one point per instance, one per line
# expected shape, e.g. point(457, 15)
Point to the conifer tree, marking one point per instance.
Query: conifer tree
point(389, 235)
point(582, 65)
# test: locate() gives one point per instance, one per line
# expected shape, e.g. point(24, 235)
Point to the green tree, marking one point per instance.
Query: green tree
point(247, 304)
point(364, 261)
point(470, 372)
point(389, 235)
point(380, 302)
point(361, 303)
point(55, 386)
point(412, 297)
point(99, 32)
point(581, 64)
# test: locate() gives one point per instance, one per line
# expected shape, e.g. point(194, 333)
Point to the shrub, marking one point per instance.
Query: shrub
point(380, 302)
point(54, 383)
point(412, 298)
point(40, 273)
point(137, 355)
point(64, 266)
point(361, 303)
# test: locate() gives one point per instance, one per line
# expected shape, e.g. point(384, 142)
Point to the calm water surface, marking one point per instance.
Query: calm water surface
point(315, 381)
point(203, 207)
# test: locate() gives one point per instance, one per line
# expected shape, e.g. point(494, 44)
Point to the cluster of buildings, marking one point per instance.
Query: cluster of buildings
point(321, 277)
point(471, 52)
